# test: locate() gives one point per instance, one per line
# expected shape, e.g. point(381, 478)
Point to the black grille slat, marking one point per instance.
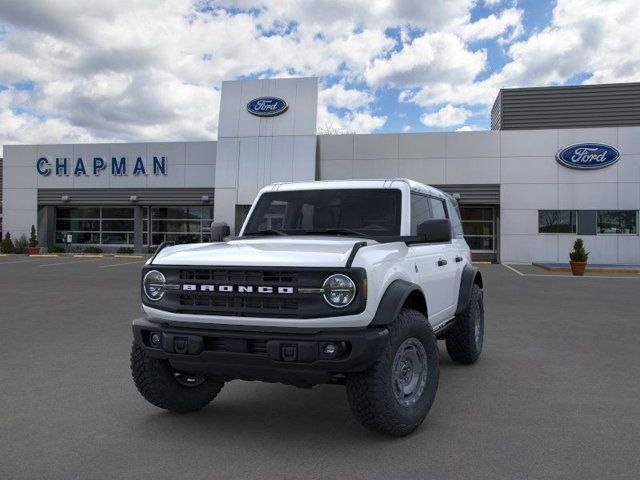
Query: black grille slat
point(240, 276)
point(233, 301)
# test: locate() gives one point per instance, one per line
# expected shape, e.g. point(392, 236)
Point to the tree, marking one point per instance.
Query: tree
point(332, 129)
point(33, 238)
point(7, 244)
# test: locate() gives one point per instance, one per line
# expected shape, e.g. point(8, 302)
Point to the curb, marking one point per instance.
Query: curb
point(589, 270)
point(128, 256)
point(88, 255)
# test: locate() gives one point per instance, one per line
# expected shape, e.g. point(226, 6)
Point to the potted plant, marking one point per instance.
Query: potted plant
point(34, 249)
point(579, 257)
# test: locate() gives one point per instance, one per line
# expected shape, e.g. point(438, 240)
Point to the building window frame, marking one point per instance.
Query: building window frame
point(631, 234)
point(574, 224)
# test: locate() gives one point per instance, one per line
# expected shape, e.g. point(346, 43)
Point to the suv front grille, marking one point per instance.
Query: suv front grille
point(235, 300)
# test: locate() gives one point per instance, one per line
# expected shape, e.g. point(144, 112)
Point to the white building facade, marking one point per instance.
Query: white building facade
point(518, 202)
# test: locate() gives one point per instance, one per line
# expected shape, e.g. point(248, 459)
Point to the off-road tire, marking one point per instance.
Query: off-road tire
point(462, 344)
point(156, 382)
point(371, 393)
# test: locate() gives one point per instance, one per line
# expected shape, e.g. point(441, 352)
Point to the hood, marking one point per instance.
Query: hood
point(276, 251)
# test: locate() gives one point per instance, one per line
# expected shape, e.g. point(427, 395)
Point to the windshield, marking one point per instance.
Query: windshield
point(360, 212)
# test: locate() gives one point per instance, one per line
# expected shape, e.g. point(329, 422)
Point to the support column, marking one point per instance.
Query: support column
point(46, 228)
point(138, 225)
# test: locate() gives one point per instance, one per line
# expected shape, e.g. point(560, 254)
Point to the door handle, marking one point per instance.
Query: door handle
point(442, 262)
point(458, 259)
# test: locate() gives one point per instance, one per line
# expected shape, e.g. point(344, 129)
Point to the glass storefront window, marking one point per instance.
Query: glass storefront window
point(96, 225)
point(115, 225)
point(180, 224)
point(618, 222)
point(556, 221)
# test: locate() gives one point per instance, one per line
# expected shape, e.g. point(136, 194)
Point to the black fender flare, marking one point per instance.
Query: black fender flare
point(470, 275)
point(393, 300)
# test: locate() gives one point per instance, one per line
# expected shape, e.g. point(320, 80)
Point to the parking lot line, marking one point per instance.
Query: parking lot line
point(513, 269)
point(69, 263)
point(20, 261)
point(120, 264)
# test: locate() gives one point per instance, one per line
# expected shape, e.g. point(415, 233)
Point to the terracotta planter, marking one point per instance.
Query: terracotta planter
point(578, 268)
point(34, 250)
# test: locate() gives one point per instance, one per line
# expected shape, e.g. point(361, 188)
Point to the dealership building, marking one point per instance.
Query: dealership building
point(559, 162)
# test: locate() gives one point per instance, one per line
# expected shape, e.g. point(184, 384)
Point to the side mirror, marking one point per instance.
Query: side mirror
point(435, 230)
point(219, 230)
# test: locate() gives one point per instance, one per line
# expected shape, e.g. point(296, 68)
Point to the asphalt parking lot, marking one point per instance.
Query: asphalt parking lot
point(556, 393)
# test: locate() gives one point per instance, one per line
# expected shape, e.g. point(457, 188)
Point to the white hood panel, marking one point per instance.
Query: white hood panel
point(271, 251)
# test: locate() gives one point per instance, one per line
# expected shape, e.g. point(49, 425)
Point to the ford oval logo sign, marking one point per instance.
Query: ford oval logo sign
point(588, 156)
point(267, 106)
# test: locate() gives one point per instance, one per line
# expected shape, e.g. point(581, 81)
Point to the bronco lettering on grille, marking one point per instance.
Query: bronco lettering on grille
point(190, 287)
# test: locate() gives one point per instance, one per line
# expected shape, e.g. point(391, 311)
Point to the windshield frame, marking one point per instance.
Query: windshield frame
point(334, 230)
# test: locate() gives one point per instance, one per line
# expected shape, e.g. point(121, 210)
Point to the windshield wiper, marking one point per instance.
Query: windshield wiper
point(337, 231)
point(267, 231)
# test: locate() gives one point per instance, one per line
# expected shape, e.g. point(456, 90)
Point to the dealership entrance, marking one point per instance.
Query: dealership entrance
point(480, 213)
point(480, 224)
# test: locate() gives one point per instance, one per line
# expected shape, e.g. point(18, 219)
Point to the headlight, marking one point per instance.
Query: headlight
point(153, 285)
point(339, 290)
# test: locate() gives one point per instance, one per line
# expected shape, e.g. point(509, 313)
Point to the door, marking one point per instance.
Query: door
point(435, 264)
point(480, 231)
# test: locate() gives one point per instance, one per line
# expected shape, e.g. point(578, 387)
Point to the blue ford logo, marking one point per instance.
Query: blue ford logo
point(267, 106)
point(588, 156)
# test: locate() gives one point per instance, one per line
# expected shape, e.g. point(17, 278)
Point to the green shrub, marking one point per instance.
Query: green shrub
point(579, 254)
point(124, 251)
point(7, 244)
point(153, 249)
point(92, 249)
point(56, 249)
point(33, 238)
point(21, 244)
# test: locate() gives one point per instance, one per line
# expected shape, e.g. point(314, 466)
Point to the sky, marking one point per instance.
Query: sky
point(74, 71)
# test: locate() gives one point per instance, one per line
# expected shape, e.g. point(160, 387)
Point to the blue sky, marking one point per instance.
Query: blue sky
point(143, 70)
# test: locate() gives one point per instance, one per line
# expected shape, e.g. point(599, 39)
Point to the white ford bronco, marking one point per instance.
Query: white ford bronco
point(343, 282)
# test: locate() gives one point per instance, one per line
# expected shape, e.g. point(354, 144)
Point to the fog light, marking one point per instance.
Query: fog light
point(155, 339)
point(330, 350)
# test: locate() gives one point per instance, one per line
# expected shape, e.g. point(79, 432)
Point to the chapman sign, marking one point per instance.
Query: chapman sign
point(588, 156)
point(267, 106)
point(116, 166)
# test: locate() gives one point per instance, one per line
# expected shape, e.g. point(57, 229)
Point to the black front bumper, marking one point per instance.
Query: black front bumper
point(283, 356)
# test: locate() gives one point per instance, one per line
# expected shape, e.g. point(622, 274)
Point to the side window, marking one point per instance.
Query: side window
point(454, 216)
point(420, 211)
point(437, 207)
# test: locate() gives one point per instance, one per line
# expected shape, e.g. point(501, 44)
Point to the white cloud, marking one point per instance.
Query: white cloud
point(468, 128)
point(447, 116)
point(151, 69)
point(358, 118)
point(352, 122)
point(430, 58)
point(340, 97)
point(583, 37)
point(509, 20)
point(407, 128)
